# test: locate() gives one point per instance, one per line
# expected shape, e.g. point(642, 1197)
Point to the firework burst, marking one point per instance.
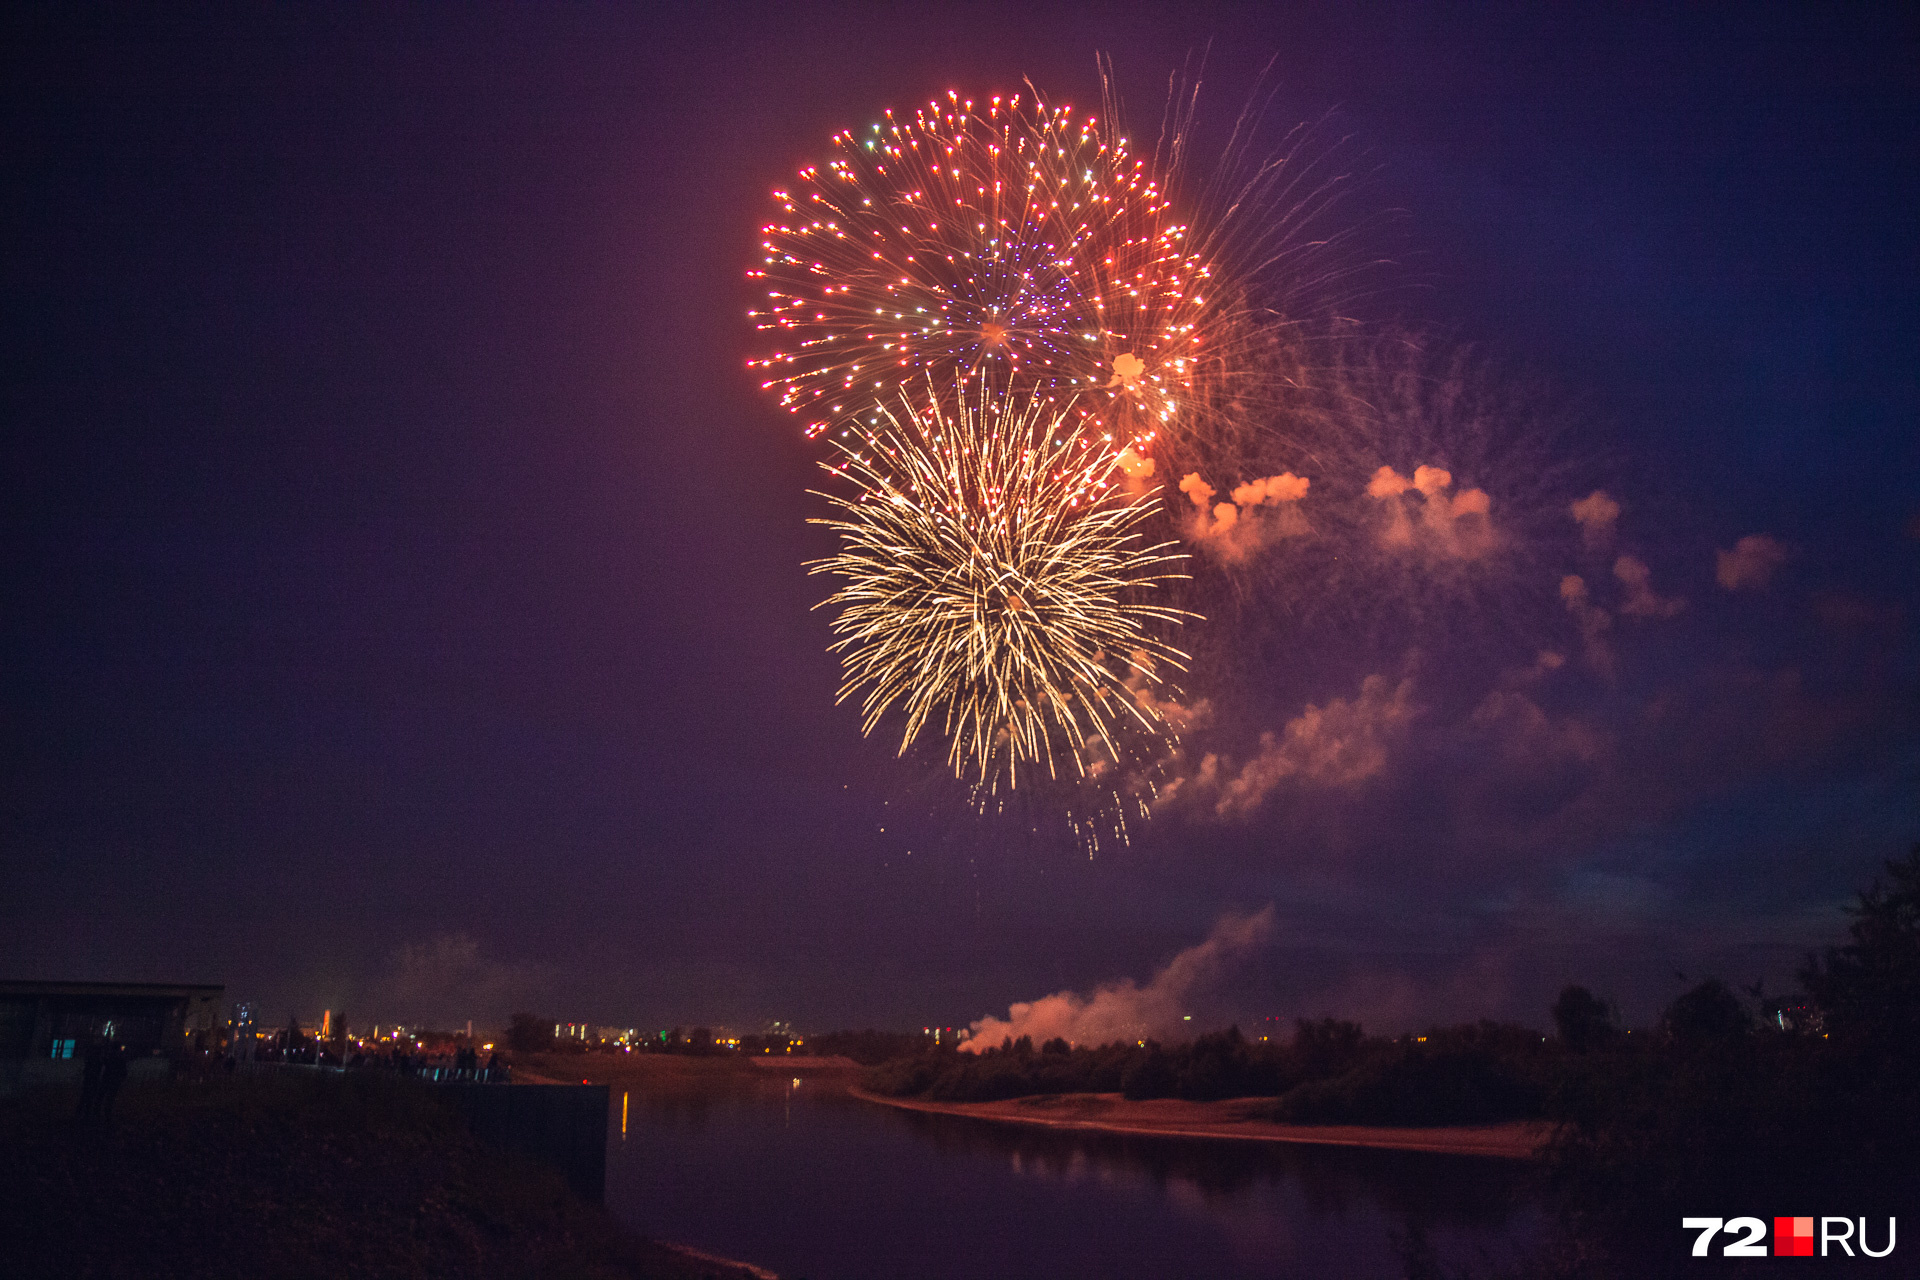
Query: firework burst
point(998, 590)
point(1013, 247)
point(1172, 310)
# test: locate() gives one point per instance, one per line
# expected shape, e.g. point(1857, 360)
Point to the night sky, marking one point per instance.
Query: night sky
point(404, 606)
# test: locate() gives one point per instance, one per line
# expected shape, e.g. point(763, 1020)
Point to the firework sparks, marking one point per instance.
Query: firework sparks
point(998, 589)
point(1014, 247)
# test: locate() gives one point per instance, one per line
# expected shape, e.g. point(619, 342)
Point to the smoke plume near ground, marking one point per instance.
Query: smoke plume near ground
point(1126, 1011)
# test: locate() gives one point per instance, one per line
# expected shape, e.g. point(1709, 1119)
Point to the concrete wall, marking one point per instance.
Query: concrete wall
point(17, 1074)
point(564, 1125)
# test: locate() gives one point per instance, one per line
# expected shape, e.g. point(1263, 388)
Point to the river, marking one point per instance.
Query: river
point(800, 1178)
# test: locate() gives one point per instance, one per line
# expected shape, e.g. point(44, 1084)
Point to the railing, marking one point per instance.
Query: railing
point(562, 1125)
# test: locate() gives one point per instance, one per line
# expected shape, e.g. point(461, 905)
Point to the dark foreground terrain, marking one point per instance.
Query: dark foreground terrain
point(293, 1174)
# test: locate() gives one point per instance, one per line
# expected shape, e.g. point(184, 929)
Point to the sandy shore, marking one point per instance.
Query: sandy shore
point(621, 1070)
point(1172, 1118)
point(803, 1064)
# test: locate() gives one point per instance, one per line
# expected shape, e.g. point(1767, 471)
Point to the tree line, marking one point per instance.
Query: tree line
point(1733, 1103)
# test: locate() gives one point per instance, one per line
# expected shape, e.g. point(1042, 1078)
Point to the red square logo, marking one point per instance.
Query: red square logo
point(1793, 1237)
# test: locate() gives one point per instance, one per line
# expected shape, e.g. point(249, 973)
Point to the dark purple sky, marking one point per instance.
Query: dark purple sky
point(403, 604)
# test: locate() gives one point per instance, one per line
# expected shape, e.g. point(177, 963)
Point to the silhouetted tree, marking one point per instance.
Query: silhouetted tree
point(1326, 1047)
point(1214, 1066)
point(1583, 1020)
point(1717, 1111)
point(1150, 1075)
point(530, 1033)
point(1869, 989)
point(1708, 1014)
point(869, 1047)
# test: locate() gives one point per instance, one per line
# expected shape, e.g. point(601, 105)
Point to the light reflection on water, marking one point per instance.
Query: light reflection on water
point(811, 1183)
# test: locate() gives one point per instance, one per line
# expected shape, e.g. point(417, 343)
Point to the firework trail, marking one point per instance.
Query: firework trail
point(998, 589)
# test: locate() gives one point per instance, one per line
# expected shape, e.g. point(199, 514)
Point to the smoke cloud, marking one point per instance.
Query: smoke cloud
point(1341, 744)
point(1528, 739)
point(1196, 489)
point(1233, 533)
point(1436, 524)
point(1750, 565)
point(1285, 487)
point(1136, 466)
point(445, 981)
point(1338, 745)
point(1126, 1011)
point(1594, 622)
point(1642, 601)
point(1179, 716)
point(1595, 514)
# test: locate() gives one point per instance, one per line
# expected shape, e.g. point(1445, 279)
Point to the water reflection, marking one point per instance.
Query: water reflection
point(812, 1183)
point(1449, 1190)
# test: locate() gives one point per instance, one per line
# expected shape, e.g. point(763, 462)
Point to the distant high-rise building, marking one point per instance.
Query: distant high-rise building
point(242, 1028)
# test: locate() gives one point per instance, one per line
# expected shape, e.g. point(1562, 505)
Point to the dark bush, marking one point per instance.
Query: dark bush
point(1416, 1086)
point(1584, 1021)
point(1150, 1075)
point(1708, 1014)
point(530, 1033)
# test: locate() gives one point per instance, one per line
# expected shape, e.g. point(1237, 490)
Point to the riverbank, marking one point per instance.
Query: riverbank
point(297, 1174)
point(624, 1070)
point(1230, 1119)
point(1108, 1112)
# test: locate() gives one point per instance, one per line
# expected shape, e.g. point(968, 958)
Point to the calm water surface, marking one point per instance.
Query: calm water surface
point(809, 1182)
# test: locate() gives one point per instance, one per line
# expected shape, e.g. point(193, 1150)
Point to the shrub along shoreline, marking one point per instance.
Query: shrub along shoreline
point(1330, 1073)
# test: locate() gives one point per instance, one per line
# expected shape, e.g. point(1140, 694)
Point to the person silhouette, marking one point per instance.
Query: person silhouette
point(90, 1080)
point(112, 1076)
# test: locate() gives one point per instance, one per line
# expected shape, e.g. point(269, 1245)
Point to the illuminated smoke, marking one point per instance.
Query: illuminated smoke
point(1285, 487)
point(1434, 524)
point(446, 978)
point(1196, 489)
point(1133, 465)
point(1594, 622)
point(1126, 1011)
point(1528, 739)
point(1595, 514)
point(1262, 511)
point(1341, 744)
point(1642, 601)
point(1544, 664)
point(1750, 565)
point(1158, 701)
point(1336, 745)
